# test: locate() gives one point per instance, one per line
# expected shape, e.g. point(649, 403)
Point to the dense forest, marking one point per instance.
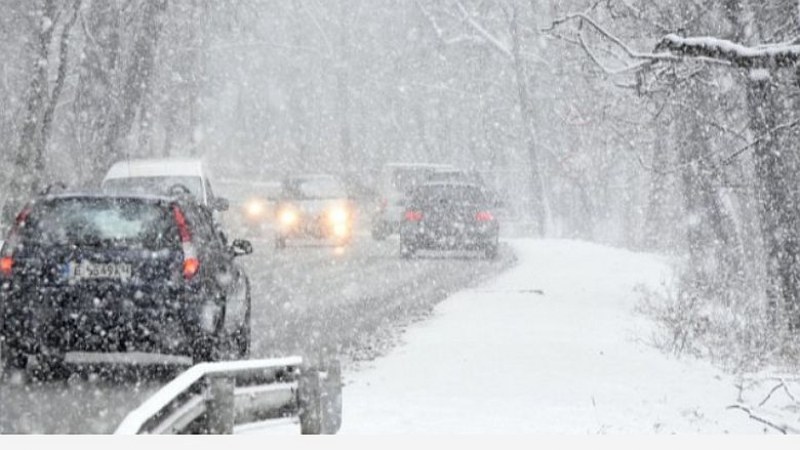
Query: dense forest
point(664, 126)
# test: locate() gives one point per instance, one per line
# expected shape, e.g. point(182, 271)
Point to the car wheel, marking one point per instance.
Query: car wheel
point(243, 336)
point(490, 251)
point(47, 368)
point(205, 349)
point(8, 362)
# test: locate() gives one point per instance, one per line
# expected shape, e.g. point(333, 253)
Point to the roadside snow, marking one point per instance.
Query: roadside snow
point(551, 346)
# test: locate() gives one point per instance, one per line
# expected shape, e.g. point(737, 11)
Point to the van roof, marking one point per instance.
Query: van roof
point(420, 165)
point(155, 168)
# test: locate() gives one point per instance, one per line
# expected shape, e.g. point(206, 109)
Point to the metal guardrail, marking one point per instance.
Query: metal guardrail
point(213, 398)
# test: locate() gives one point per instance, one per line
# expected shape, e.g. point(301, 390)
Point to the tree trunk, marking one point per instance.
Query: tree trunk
point(137, 78)
point(538, 203)
point(774, 170)
point(29, 159)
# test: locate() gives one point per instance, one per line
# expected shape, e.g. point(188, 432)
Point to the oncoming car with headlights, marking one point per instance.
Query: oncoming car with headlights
point(315, 206)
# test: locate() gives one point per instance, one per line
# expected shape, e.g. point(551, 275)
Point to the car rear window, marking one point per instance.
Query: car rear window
point(427, 195)
point(153, 185)
point(406, 179)
point(101, 221)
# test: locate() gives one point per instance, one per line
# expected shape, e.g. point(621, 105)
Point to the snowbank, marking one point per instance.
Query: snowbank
point(552, 346)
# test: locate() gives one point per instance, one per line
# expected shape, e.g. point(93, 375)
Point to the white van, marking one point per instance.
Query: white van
point(160, 177)
point(396, 181)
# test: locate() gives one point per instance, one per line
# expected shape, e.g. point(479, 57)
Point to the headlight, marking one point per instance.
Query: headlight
point(338, 215)
point(288, 217)
point(254, 208)
point(340, 230)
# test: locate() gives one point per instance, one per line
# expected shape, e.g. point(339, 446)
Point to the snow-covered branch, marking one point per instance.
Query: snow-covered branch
point(768, 418)
point(779, 55)
point(584, 18)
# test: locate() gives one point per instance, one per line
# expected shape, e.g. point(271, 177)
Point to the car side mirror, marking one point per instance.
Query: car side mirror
point(241, 247)
point(220, 204)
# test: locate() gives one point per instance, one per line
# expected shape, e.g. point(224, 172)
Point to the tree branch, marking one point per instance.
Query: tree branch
point(495, 42)
point(772, 56)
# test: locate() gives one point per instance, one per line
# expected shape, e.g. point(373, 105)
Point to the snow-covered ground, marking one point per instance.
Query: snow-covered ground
point(554, 345)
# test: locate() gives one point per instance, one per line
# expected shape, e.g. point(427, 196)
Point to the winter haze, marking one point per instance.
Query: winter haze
point(372, 182)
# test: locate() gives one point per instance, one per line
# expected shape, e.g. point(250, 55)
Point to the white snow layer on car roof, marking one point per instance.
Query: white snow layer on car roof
point(155, 168)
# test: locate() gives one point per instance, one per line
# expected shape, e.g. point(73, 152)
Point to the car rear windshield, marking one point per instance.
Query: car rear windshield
point(101, 222)
point(468, 195)
point(404, 180)
point(154, 185)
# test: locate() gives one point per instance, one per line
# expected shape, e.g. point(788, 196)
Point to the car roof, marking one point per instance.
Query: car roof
point(451, 170)
point(312, 176)
point(156, 168)
point(99, 195)
point(450, 184)
point(417, 165)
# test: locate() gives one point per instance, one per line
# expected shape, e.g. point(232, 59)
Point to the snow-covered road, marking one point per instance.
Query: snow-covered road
point(552, 346)
point(305, 298)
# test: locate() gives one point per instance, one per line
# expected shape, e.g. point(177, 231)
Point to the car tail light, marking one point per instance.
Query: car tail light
point(484, 216)
point(7, 252)
point(191, 265)
point(413, 216)
point(6, 264)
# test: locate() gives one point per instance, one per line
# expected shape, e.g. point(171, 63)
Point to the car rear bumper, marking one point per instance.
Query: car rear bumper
point(133, 358)
point(468, 239)
point(58, 322)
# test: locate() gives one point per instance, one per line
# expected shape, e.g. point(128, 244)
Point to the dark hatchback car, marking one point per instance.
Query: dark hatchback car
point(449, 216)
point(96, 278)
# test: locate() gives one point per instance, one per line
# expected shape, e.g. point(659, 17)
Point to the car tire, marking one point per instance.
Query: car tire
point(49, 368)
point(204, 349)
point(491, 250)
point(243, 336)
point(7, 363)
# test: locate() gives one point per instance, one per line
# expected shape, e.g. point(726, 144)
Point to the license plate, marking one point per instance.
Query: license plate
point(86, 270)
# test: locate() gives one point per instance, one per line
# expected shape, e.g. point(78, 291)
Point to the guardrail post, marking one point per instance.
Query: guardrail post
point(332, 398)
point(220, 406)
point(309, 400)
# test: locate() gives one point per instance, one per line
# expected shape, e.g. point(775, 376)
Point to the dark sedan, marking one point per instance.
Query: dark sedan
point(96, 278)
point(449, 216)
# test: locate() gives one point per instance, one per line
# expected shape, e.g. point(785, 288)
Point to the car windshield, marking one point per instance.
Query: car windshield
point(154, 185)
point(313, 189)
point(100, 221)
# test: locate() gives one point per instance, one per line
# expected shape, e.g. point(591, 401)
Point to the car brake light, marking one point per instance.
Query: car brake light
point(6, 264)
point(7, 255)
point(484, 216)
point(191, 265)
point(413, 216)
point(183, 227)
